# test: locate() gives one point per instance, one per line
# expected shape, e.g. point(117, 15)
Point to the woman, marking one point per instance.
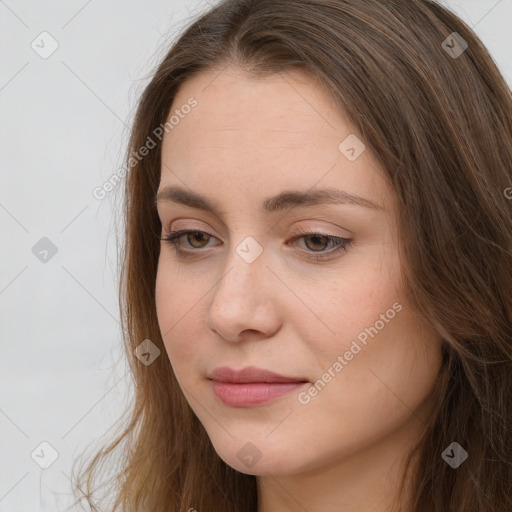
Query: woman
point(273, 372)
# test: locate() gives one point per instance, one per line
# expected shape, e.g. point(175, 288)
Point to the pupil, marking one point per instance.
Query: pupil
point(197, 234)
point(316, 237)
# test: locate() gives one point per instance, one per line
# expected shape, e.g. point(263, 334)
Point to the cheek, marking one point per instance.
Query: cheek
point(364, 318)
point(178, 305)
point(351, 299)
point(389, 359)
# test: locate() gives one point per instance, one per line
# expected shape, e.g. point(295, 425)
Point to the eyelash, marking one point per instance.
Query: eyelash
point(340, 244)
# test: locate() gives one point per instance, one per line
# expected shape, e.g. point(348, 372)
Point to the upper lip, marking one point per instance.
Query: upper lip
point(249, 374)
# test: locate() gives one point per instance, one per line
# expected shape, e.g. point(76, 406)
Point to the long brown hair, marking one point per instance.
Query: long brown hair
point(438, 117)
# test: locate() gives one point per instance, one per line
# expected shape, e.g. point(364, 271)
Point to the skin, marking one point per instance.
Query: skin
point(245, 140)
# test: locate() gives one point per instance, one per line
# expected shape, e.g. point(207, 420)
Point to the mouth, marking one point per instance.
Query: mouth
point(251, 386)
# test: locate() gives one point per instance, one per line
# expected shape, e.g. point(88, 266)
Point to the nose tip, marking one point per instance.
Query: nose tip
point(242, 302)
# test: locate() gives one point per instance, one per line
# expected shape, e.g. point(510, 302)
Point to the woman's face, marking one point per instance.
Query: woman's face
point(256, 287)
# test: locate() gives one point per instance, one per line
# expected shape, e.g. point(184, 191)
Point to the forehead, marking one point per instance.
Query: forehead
point(262, 134)
point(290, 103)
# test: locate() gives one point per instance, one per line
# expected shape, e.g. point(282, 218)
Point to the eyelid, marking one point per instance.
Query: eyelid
point(316, 231)
point(297, 231)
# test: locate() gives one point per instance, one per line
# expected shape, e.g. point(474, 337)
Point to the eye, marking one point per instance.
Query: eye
point(317, 240)
point(173, 238)
point(314, 242)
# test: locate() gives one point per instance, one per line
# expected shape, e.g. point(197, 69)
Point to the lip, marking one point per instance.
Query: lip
point(250, 374)
point(250, 386)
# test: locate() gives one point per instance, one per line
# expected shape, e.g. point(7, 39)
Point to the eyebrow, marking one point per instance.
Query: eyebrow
point(282, 201)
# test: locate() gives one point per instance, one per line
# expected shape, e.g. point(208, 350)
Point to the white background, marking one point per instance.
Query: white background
point(63, 128)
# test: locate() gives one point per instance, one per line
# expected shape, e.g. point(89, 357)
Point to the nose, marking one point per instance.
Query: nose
point(244, 301)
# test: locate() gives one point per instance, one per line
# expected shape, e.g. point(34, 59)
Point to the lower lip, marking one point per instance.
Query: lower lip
point(253, 393)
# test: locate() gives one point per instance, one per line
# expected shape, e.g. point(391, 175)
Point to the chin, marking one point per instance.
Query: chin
point(258, 458)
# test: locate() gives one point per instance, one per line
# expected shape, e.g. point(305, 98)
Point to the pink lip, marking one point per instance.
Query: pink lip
point(250, 386)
